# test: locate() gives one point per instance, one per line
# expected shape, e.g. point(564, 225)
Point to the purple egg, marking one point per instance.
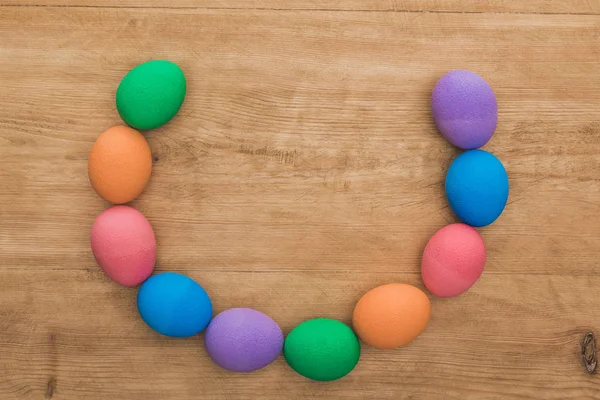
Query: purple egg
point(464, 109)
point(243, 340)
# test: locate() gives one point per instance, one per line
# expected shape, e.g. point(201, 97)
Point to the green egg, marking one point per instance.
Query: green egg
point(322, 349)
point(151, 94)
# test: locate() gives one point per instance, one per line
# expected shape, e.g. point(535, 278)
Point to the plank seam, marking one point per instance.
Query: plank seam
point(297, 9)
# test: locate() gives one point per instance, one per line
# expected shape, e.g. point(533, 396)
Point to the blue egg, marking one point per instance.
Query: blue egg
point(477, 187)
point(174, 305)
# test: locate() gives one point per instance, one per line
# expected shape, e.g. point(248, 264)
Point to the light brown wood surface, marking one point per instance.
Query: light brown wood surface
point(303, 169)
point(470, 6)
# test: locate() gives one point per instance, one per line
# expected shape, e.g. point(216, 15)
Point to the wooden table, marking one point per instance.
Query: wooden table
point(303, 170)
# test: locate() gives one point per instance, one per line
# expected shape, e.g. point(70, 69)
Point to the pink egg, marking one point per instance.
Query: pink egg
point(123, 244)
point(453, 260)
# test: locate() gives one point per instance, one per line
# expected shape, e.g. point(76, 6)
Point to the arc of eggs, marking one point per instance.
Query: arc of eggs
point(465, 111)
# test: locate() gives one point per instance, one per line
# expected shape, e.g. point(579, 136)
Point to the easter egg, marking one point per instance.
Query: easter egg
point(391, 315)
point(174, 305)
point(243, 340)
point(120, 164)
point(322, 349)
point(453, 260)
point(123, 245)
point(151, 94)
point(464, 109)
point(477, 187)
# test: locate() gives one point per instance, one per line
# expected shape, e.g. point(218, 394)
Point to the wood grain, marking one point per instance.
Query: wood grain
point(303, 170)
point(471, 6)
point(101, 349)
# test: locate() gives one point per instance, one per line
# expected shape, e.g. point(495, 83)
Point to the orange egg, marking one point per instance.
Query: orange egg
point(391, 315)
point(120, 164)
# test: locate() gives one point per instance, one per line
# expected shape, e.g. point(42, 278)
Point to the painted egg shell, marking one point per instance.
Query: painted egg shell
point(243, 340)
point(477, 187)
point(151, 94)
point(322, 349)
point(453, 260)
point(120, 164)
point(174, 305)
point(123, 244)
point(464, 109)
point(391, 315)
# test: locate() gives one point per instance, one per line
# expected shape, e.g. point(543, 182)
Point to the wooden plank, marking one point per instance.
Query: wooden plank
point(477, 6)
point(303, 169)
point(317, 142)
point(88, 342)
